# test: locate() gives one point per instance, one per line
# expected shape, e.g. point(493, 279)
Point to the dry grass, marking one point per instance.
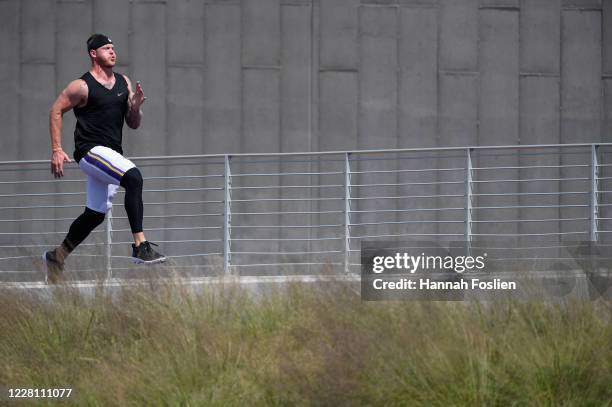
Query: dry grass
point(163, 344)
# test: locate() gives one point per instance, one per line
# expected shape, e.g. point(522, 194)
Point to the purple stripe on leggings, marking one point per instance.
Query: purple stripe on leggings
point(102, 167)
point(110, 164)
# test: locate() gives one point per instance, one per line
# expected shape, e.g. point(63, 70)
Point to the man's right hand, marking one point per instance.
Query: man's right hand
point(58, 159)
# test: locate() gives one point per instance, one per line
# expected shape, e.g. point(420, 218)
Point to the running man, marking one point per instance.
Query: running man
point(102, 100)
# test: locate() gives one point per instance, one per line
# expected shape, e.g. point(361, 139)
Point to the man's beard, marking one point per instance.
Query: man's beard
point(106, 63)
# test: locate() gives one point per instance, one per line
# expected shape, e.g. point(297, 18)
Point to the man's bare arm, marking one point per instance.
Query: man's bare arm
point(75, 94)
point(136, 98)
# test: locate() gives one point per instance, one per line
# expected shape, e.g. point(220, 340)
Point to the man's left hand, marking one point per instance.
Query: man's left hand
point(138, 97)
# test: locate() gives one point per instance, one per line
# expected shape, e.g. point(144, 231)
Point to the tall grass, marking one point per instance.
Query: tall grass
point(164, 344)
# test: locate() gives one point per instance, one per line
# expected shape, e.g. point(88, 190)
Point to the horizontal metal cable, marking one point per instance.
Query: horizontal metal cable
point(533, 166)
point(20, 272)
point(530, 180)
point(290, 186)
point(405, 222)
point(405, 234)
point(42, 207)
point(46, 182)
point(174, 256)
point(353, 152)
point(288, 253)
point(186, 177)
point(534, 193)
point(177, 241)
point(285, 239)
point(286, 173)
point(409, 183)
point(530, 206)
point(182, 189)
point(285, 264)
point(286, 199)
point(408, 170)
point(194, 215)
point(183, 203)
point(528, 234)
point(409, 197)
point(51, 194)
point(29, 246)
point(168, 268)
point(529, 220)
point(283, 226)
point(37, 220)
point(171, 228)
point(408, 210)
point(286, 213)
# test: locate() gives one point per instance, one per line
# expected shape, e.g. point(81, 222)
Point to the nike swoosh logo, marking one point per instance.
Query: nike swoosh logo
point(119, 94)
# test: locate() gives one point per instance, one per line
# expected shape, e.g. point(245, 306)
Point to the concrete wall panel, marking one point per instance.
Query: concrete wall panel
point(498, 115)
point(540, 34)
point(9, 78)
point(148, 66)
point(296, 79)
point(499, 78)
point(378, 78)
point(113, 18)
point(607, 133)
point(581, 102)
point(261, 106)
point(186, 32)
point(38, 40)
point(539, 125)
point(185, 108)
point(295, 111)
point(261, 32)
point(338, 111)
point(459, 35)
point(581, 76)
point(338, 34)
point(378, 107)
point(607, 37)
point(418, 82)
point(458, 123)
point(37, 95)
point(222, 82)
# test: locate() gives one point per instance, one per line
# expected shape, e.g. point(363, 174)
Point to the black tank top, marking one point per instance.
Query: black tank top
point(100, 121)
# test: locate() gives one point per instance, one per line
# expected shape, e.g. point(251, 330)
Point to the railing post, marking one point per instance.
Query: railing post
point(109, 232)
point(594, 193)
point(227, 216)
point(468, 202)
point(347, 212)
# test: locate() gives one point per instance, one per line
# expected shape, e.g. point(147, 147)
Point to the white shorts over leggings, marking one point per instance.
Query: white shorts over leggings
point(104, 168)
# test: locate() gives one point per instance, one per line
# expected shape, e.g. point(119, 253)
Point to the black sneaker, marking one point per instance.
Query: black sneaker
point(53, 267)
point(145, 254)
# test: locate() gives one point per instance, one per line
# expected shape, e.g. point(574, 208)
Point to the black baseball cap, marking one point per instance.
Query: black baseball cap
point(97, 40)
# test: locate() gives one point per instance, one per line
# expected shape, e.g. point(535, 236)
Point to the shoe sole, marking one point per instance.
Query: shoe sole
point(156, 261)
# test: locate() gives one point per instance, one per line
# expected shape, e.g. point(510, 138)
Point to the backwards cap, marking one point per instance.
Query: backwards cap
point(97, 40)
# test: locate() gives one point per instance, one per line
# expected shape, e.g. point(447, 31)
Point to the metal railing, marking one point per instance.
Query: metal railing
point(299, 213)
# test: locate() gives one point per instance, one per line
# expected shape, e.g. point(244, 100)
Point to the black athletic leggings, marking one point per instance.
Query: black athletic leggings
point(90, 219)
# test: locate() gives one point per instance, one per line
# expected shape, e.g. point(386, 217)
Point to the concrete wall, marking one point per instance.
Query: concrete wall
point(287, 75)
point(232, 76)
